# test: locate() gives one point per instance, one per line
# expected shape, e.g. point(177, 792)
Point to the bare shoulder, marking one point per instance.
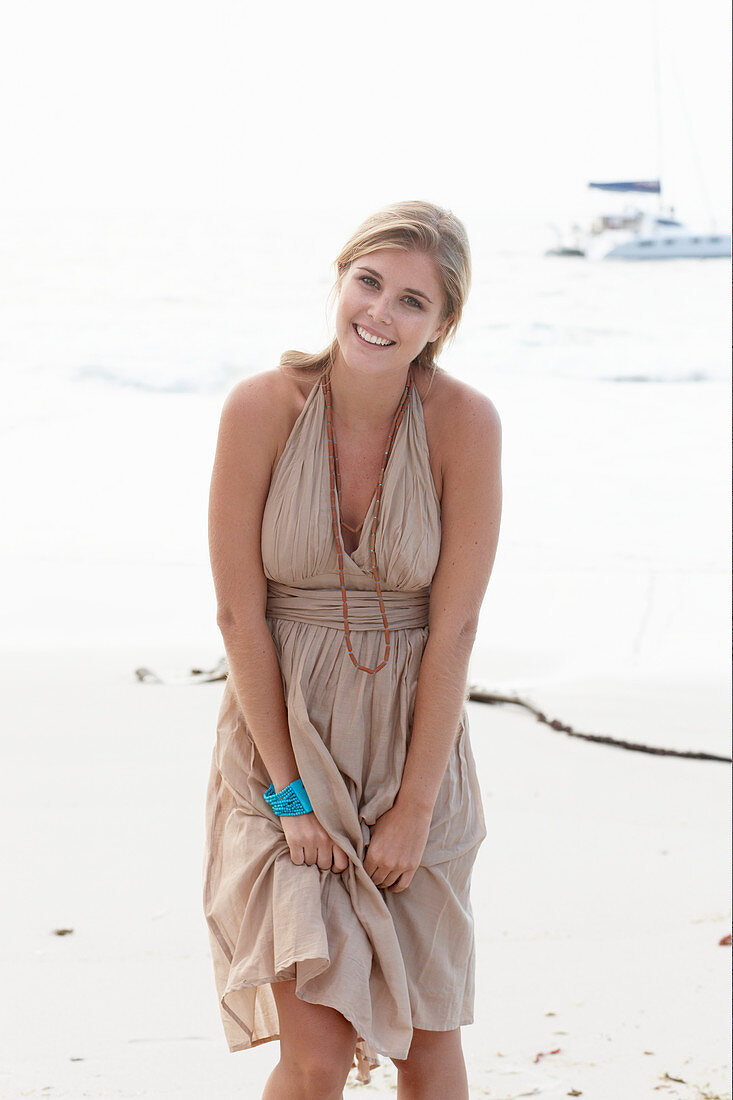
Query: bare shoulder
point(271, 394)
point(259, 411)
point(456, 412)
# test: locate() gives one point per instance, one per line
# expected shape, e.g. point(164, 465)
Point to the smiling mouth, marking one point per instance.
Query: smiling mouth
point(373, 341)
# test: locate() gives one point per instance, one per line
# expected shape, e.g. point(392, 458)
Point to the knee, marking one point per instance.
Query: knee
point(320, 1076)
point(413, 1068)
point(431, 1053)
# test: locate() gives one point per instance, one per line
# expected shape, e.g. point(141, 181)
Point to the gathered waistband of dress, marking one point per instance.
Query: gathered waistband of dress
point(324, 606)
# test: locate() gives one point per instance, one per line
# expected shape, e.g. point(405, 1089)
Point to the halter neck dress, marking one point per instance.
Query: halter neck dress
point(387, 961)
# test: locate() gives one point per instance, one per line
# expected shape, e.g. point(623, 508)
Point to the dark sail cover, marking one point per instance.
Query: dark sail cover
point(650, 186)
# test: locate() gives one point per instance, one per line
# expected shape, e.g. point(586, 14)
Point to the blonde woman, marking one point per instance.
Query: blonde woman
point(354, 517)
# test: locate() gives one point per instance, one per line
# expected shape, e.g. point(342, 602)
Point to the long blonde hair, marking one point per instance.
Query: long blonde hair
point(406, 225)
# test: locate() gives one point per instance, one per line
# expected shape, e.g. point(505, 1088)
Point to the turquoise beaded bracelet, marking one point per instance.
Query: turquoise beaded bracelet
point(290, 801)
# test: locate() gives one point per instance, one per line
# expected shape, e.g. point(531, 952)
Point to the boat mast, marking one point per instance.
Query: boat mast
point(657, 97)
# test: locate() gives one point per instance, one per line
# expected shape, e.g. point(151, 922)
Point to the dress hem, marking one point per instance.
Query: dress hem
point(466, 1020)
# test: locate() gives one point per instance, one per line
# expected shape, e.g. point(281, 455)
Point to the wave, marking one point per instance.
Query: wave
point(693, 376)
point(213, 380)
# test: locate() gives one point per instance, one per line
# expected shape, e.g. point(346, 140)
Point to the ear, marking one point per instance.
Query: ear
point(440, 329)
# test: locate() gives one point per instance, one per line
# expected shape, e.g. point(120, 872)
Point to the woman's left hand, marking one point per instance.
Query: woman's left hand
point(396, 846)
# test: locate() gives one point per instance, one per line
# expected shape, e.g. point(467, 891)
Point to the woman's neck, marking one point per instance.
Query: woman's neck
point(365, 403)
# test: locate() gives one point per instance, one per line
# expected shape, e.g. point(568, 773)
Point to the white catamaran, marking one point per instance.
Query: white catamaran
point(638, 234)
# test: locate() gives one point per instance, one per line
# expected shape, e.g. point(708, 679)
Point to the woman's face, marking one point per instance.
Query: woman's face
point(390, 306)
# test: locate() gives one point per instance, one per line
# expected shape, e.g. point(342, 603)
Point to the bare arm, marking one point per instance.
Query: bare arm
point(471, 513)
point(253, 419)
point(246, 447)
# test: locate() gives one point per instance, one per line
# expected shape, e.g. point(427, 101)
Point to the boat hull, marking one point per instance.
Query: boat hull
point(672, 246)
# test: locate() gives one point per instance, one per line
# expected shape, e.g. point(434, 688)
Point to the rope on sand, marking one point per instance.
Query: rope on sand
point(476, 694)
point(480, 696)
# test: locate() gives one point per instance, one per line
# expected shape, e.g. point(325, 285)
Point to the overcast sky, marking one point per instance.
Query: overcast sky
point(513, 105)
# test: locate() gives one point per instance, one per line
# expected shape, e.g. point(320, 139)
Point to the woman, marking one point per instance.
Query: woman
point(355, 507)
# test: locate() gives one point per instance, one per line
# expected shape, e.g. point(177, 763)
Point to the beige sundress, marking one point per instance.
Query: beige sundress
point(387, 961)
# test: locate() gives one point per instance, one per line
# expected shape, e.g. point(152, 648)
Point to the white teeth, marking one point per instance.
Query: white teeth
point(373, 339)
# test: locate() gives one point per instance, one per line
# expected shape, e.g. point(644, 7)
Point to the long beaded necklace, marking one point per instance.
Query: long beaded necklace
point(335, 487)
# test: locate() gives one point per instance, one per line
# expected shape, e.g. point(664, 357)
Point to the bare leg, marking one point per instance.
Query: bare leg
point(434, 1067)
point(316, 1049)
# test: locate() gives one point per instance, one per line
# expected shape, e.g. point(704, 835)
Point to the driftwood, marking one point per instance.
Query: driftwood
point(480, 696)
point(476, 694)
point(194, 676)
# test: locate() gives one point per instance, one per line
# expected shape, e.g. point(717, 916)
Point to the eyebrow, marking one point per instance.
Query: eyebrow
point(417, 293)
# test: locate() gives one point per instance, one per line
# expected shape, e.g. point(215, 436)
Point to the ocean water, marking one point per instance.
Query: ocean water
point(188, 304)
point(122, 334)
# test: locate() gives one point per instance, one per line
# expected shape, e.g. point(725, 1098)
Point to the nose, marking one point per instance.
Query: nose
point(380, 309)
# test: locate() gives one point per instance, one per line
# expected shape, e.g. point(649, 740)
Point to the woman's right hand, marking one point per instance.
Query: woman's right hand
point(310, 843)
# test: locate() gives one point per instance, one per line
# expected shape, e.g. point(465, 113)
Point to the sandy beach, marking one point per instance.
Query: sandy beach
point(599, 896)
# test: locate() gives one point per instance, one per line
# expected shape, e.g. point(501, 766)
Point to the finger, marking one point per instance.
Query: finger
point(325, 856)
point(297, 855)
point(378, 876)
point(389, 880)
point(402, 883)
point(340, 861)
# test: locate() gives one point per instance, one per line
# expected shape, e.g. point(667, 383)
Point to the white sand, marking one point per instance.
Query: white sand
point(600, 895)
